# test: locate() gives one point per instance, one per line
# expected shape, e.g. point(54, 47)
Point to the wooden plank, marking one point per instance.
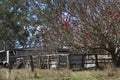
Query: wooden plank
point(19, 56)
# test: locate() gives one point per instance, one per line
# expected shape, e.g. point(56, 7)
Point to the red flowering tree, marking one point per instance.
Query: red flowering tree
point(83, 23)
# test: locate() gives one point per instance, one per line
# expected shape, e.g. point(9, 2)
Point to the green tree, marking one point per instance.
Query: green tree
point(13, 23)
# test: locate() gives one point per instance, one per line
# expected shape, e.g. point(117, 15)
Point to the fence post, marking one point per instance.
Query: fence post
point(68, 61)
point(58, 64)
point(39, 66)
point(9, 66)
point(82, 62)
point(96, 60)
point(31, 62)
point(48, 62)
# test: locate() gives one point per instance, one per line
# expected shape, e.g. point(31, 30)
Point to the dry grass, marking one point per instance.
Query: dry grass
point(15, 74)
point(64, 74)
point(26, 74)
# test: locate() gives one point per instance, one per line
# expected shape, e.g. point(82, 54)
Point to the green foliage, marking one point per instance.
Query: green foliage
point(12, 22)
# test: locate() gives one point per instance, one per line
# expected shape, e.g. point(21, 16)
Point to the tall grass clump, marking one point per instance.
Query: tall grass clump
point(4, 74)
point(20, 74)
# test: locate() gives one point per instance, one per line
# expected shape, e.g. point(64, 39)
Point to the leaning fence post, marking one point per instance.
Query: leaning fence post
point(96, 60)
point(31, 63)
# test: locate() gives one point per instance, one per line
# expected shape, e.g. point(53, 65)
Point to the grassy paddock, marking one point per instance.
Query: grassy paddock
point(63, 74)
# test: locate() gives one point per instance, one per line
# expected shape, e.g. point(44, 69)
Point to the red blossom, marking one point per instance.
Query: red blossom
point(110, 12)
point(96, 0)
point(104, 18)
point(116, 22)
point(58, 14)
point(81, 5)
point(65, 24)
point(116, 19)
point(117, 15)
point(74, 22)
point(77, 32)
point(83, 11)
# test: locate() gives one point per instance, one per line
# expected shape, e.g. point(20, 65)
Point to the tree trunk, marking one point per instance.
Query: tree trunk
point(115, 60)
point(110, 47)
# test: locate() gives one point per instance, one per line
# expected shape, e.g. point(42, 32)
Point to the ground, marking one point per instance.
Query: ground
point(63, 74)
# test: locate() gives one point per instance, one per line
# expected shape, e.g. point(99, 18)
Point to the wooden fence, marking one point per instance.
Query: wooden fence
point(64, 60)
point(86, 61)
point(19, 61)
